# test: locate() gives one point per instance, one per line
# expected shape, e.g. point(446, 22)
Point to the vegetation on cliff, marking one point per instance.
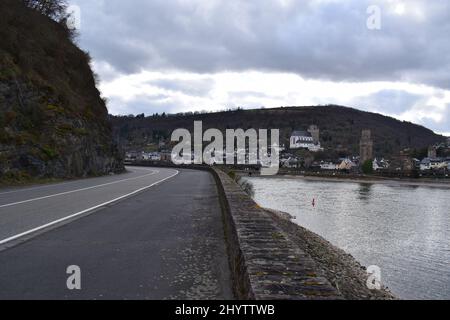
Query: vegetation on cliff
point(53, 122)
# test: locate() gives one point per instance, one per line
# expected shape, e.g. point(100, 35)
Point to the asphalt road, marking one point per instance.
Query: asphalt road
point(147, 234)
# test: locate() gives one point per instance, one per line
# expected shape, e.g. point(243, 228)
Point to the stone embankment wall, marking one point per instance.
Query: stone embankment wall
point(265, 264)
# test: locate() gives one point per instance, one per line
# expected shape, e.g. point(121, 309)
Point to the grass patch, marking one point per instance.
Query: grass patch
point(50, 152)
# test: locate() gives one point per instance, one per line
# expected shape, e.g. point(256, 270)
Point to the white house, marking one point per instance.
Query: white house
point(346, 164)
point(329, 166)
point(145, 156)
point(291, 162)
point(380, 164)
point(425, 164)
point(433, 164)
point(134, 156)
point(156, 156)
point(152, 156)
point(304, 140)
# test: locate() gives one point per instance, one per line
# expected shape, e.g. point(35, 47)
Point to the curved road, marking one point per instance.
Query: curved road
point(147, 234)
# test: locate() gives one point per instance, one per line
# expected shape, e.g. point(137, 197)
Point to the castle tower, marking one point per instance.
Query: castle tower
point(315, 133)
point(432, 152)
point(366, 146)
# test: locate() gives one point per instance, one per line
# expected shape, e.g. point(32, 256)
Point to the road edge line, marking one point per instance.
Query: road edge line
point(55, 222)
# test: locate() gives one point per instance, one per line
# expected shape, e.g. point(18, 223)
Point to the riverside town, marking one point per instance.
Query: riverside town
point(256, 152)
point(234, 159)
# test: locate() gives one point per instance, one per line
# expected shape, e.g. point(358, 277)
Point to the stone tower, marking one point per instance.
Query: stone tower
point(432, 152)
point(315, 133)
point(366, 145)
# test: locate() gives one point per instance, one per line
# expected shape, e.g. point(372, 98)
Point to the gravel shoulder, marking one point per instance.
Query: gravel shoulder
point(346, 274)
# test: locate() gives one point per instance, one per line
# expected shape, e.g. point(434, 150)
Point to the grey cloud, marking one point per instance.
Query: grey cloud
point(326, 40)
point(199, 87)
point(396, 102)
point(442, 126)
point(392, 102)
point(148, 104)
point(251, 94)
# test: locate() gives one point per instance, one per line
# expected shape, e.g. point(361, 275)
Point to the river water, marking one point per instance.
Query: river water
point(405, 230)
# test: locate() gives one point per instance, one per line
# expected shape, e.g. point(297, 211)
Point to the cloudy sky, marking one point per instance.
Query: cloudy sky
point(191, 55)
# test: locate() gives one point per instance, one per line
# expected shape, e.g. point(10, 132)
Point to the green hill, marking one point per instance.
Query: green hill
point(340, 127)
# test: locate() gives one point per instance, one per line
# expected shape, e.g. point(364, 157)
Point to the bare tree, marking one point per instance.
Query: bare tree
point(54, 9)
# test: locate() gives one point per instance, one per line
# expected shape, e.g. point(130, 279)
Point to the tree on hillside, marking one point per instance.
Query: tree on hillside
point(54, 9)
point(57, 11)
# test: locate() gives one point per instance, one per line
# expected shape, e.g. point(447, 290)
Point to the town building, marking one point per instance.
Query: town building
point(309, 140)
point(403, 161)
point(134, 156)
point(366, 146)
point(347, 165)
point(166, 156)
point(380, 164)
point(315, 133)
point(290, 163)
point(432, 152)
point(434, 164)
point(329, 165)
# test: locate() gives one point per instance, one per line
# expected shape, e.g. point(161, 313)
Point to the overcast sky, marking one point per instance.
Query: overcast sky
point(187, 55)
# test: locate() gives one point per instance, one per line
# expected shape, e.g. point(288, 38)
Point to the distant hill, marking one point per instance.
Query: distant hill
point(53, 122)
point(340, 127)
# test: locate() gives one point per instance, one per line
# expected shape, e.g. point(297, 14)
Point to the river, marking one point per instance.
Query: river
point(405, 230)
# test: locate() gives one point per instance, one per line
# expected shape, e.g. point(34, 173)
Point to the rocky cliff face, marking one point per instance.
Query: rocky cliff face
point(53, 122)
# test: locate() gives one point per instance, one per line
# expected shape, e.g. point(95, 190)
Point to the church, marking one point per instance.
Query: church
point(309, 140)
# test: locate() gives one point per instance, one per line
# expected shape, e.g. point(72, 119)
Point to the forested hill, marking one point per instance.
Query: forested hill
point(340, 127)
point(53, 122)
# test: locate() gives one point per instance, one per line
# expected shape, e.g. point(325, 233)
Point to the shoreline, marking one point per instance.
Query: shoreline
point(366, 180)
point(341, 269)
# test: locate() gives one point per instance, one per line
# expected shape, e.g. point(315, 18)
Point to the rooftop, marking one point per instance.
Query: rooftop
point(301, 133)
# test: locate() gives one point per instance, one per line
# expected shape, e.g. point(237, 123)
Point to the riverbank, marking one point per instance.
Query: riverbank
point(362, 179)
point(273, 258)
point(343, 271)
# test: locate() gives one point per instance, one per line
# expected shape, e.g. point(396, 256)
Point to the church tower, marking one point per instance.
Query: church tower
point(315, 133)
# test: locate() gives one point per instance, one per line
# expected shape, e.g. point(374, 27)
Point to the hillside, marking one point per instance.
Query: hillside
point(53, 122)
point(340, 127)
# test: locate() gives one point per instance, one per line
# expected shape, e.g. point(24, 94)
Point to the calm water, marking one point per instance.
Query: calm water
point(405, 230)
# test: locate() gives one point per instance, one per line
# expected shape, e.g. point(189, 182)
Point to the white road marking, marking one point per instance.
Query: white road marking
point(23, 234)
point(60, 184)
point(77, 190)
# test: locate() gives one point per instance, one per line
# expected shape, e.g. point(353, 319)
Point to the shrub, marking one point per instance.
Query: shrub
point(232, 175)
point(49, 152)
point(367, 167)
point(55, 109)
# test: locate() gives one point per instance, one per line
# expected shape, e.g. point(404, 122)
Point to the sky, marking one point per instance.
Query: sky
point(386, 56)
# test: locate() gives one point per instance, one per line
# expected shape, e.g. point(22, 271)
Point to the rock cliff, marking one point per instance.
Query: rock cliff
point(53, 122)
